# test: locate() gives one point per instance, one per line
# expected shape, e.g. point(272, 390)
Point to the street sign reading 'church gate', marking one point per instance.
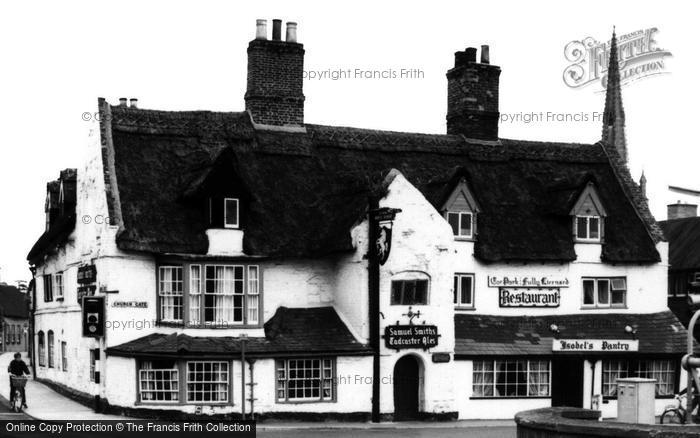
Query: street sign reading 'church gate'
point(399, 337)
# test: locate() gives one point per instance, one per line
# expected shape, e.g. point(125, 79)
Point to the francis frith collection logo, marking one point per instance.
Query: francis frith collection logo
point(639, 56)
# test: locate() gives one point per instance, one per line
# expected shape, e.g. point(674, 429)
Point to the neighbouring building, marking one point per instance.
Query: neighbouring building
point(14, 311)
point(682, 230)
point(362, 273)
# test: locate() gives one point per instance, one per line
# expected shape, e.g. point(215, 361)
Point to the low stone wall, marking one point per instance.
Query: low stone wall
point(583, 423)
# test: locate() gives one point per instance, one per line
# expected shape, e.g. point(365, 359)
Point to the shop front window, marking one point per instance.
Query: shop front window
point(663, 371)
point(159, 381)
point(305, 380)
point(207, 382)
point(511, 378)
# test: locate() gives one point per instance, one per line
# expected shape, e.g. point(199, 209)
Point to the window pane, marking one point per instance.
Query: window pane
point(618, 297)
point(593, 228)
point(421, 294)
point(588, 287)
point(603, 292)
point(618, 284)
point(453, 219)
point(231, 212)
point(466, 290)
point(465, 224)
point(581, 227)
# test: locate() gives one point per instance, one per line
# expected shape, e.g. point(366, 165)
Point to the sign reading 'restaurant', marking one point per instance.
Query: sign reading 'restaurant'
point(399, 337)
point(605, 345)
point(527, 297)
point(528, 281)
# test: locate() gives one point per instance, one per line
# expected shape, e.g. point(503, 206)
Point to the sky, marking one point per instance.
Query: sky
point(59, 57)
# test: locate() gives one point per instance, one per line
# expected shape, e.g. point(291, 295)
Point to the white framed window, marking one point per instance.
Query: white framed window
point(663, 370)
point(195, 294)
point(253, 295)
point(587, 228)
point(463, 290)
point(159, 381)
point(605, 292)
point(409, 292)
point(223, 294)
point(170, 293)
point(64, 356)
point(305, 380)
point(511, 378)
point(207, 382)
point(58, 285)
point(50, 341)
point(42, 348)
point(48, 288)
point(231, 213)
point(462, 223)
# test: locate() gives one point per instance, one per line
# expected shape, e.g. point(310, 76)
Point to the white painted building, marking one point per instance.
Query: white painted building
point(516, 274)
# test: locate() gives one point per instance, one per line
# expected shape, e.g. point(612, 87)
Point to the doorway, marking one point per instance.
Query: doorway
point(567, 382)
point(406, 388)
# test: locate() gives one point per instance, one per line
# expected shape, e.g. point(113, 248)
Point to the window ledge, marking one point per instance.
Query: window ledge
point(464, 239)
point(470, 308)
point(303, 402)
point(512, 397)
point(604, 308)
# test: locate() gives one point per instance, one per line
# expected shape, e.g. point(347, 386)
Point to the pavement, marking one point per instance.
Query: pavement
point(46, 404)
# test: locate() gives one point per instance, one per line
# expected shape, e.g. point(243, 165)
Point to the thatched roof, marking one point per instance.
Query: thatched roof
point(307, 189)
point(683, 243)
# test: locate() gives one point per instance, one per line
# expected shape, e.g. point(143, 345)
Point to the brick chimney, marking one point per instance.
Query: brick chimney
point(472, 95)
point(274, 95)
point(681, 211)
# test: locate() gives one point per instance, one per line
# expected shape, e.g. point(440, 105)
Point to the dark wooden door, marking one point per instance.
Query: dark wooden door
point(567, 382)
point(406, 387)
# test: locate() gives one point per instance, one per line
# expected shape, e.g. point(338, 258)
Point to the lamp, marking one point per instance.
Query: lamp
point(554, 329)
point(631, 331)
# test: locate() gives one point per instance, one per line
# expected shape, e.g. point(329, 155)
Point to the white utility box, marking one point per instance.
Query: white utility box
point(636, 400)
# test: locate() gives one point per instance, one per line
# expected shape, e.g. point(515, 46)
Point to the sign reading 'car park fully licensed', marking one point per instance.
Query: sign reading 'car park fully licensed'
point(596, 345)
point(399, 337)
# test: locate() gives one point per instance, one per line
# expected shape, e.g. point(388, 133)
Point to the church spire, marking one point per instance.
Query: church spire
point(614, 114)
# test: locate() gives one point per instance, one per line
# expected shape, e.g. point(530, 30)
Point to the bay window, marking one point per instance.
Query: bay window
point(180, 382)
point(511, 378)
point(210, 295)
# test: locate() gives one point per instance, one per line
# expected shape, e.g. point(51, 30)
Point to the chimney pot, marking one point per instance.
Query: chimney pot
point(485, 58)
point(122, 101)
point(261, 29)
point(133, 102)
point(291, 32)
point(682, 211)
point(276, 29)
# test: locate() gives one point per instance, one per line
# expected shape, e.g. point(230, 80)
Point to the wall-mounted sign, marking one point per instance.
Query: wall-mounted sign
point(87, 274)
point(399, 337)
point(130, 304)
point(527, 281)
point(441, 357)
point(529, 297)
point(595, 345)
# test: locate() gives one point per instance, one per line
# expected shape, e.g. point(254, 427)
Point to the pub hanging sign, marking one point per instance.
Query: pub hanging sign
point(383, 221)
point(399, 337)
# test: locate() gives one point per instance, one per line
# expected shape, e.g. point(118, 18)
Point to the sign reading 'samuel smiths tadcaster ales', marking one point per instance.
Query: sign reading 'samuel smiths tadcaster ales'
point(399, 337)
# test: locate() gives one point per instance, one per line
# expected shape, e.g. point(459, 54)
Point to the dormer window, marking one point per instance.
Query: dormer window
point(588, 216)
point(231, 213)
point(460, 211)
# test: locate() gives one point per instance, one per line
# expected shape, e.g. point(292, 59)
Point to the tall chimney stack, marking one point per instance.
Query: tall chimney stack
point(472, 96)
point(681, 210)
point(274, 95)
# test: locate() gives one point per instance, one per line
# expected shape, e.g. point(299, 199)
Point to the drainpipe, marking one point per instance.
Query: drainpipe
point(32, 322)
point(592, 382)
point(252, 389)
point(373, 291)
point(243, 341)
